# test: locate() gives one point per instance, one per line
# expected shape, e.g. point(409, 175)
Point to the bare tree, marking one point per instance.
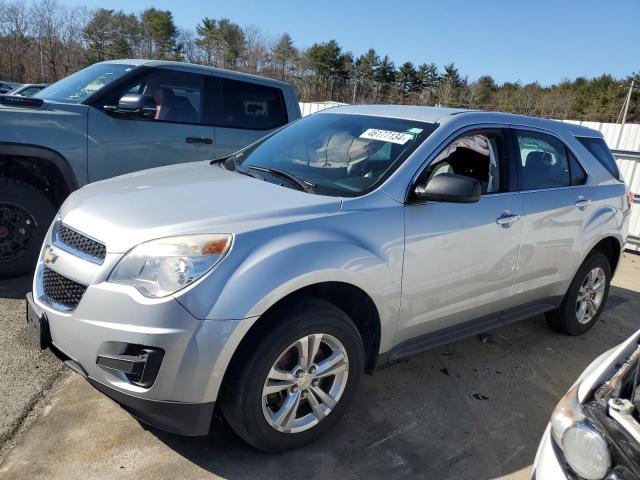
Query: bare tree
point(255, 58)
point(14, 30)
point(189, 49)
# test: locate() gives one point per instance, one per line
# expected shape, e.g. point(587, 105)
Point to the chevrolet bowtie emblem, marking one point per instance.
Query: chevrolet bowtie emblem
point(49, 256)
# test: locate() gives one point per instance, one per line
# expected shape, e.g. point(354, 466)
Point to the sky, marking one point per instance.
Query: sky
point(517, 40)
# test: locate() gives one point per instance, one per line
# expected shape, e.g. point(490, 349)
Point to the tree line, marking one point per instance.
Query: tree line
point(45, 41)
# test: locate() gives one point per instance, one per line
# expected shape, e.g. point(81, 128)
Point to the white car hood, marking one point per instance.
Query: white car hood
point(182, 199)
point(603, 367)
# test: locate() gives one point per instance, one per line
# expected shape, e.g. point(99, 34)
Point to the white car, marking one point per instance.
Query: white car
point(594, 432)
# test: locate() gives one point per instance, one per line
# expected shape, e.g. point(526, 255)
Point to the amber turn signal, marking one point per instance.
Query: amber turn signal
point(216, 247)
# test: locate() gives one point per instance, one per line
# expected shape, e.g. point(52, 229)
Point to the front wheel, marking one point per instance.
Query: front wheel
point(585, 299)
point(296, 378)
point(25, 216)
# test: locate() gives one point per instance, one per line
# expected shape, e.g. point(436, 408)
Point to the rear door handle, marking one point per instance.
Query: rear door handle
point(582, 202)
point(507, 218)
point(206, 141)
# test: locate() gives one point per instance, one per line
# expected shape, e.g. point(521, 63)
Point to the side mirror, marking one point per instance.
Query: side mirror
point(133, 105)
point(449, 187)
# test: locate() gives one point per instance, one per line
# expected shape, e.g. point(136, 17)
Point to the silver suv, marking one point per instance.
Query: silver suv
point(267, 282)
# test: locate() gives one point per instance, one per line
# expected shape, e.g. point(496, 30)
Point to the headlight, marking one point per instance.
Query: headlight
point(584, 448)
point(161, 267)
point(586, 452)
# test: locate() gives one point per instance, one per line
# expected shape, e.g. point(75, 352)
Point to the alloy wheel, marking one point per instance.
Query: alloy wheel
point(305, 383)
point(590, 295)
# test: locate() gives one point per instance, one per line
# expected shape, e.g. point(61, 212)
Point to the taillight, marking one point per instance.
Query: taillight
point(630, 197)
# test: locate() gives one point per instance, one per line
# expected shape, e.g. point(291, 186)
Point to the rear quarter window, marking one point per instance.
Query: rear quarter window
point(600, 150)
point(251, 106)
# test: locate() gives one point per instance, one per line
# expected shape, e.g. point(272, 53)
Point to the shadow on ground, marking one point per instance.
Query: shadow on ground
point(15, 287)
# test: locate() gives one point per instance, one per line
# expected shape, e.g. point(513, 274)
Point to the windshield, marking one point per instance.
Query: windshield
point(334, 154)
point(78, 86)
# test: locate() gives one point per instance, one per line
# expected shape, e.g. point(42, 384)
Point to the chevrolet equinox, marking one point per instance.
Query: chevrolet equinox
point(265, 283)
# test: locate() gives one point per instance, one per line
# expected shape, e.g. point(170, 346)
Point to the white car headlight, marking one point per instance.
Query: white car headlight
point(584, 448)
point(586, 451)
point(161, 267)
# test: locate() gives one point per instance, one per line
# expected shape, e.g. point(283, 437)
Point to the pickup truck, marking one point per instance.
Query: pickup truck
point(118, 117)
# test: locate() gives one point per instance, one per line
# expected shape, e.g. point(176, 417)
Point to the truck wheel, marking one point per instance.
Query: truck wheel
point(25, 216)
point(295, 379)
point(585, 299)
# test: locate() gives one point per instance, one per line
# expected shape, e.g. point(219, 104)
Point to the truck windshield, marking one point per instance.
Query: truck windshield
point(333, 154)
point(78, 86)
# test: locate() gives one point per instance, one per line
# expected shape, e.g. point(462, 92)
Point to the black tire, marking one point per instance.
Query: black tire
point(241, 395)
point(564, 319)
point(25, 216)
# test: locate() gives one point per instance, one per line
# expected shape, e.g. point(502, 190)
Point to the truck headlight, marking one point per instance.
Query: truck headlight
point(161, 267)
point(584, 448)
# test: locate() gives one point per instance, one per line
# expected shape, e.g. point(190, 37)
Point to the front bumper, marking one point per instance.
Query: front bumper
point(548, 465)
point(189, 419)
point(111, 318)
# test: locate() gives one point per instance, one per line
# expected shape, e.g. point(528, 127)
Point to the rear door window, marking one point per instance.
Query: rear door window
point(578, 175)
point(544, 161)
point(251, 106)
point(600, 150)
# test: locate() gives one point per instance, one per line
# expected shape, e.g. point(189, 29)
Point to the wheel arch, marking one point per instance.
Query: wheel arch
point(351, 299)
point(41, 167)
point(611, 247)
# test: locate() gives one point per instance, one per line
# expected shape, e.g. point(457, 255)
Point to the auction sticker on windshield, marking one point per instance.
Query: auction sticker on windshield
point(387, 136)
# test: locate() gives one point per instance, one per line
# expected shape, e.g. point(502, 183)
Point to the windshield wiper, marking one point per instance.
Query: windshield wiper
point(236, 166)
point(301, 183)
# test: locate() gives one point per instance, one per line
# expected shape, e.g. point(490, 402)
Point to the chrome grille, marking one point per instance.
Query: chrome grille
point(60, 289)
point(81, 243)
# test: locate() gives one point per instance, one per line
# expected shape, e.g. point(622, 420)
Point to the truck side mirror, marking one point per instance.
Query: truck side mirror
point(132, 105)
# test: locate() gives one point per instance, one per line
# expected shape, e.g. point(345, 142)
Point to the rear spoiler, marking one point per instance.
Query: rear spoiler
point(18, 101)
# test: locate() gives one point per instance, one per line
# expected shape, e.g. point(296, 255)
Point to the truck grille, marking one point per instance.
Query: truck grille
point(60, 289)
point(81, 243)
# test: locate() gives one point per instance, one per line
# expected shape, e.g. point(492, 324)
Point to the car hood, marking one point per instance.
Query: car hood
point(605, 366)
point(183, 199)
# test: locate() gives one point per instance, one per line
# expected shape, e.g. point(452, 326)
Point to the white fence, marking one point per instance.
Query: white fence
point(629, 165)
point(617, 136)
point(307, 108)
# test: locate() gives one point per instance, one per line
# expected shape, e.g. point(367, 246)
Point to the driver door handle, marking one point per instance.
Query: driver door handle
point(507, 218)
point(582, 202)
point(206, 141)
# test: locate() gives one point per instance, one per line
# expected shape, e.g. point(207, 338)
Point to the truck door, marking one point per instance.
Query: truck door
point(179, 131)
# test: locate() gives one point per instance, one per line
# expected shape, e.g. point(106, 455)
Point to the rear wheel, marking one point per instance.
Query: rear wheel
point(25, 216)
point(585, 299)
point(296, 379)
